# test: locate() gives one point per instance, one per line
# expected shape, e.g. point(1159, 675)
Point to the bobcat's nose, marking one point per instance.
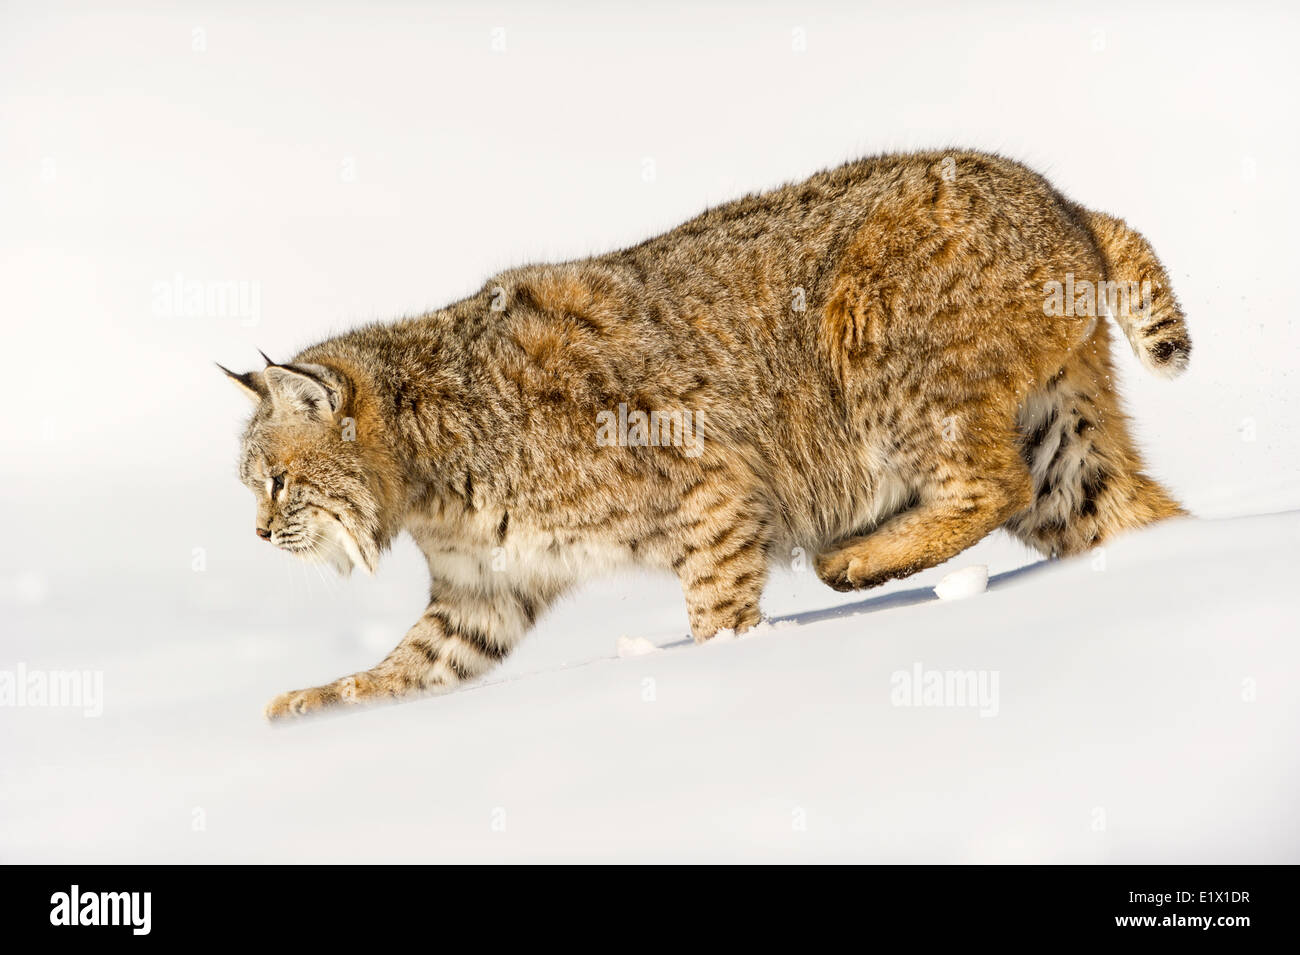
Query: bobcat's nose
point(264, 533)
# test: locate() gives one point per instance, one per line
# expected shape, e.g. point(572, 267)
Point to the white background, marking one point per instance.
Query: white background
point(360, 162)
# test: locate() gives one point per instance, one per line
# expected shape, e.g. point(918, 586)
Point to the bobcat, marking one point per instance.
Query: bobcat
point(879, 365)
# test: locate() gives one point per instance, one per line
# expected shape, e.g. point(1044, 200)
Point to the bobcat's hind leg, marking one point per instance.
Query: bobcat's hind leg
point(1089, 479)
point(963, 503)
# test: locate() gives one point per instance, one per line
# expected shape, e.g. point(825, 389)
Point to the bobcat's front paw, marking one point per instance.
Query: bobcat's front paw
point(302, 702)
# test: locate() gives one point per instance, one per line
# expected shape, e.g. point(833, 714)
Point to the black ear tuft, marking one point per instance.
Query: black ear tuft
point(250, 382)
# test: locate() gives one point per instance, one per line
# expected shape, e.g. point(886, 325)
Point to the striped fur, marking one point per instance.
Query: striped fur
point(1157, 331)
point(874, 375)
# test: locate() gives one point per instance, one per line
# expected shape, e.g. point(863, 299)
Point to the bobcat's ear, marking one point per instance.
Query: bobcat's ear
point(250, 382)
point(305, 389)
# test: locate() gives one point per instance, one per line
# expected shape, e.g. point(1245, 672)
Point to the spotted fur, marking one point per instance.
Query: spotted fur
point(877, 381)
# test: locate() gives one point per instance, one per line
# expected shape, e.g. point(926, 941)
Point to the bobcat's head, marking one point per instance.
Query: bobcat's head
point(315, 478)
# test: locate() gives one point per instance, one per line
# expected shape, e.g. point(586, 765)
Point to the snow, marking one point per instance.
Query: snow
point(1137, 699)
point(635, 647)
point(963, 583)
point(1136, 704)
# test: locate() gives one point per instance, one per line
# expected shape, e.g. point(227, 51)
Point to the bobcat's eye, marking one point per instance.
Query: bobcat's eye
point(276, 485)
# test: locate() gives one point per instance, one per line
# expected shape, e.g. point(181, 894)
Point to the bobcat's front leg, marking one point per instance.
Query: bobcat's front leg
point(723, 564)
point(461, 636)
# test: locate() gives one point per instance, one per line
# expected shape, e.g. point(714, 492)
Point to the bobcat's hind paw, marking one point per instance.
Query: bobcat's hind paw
point(849, 568)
